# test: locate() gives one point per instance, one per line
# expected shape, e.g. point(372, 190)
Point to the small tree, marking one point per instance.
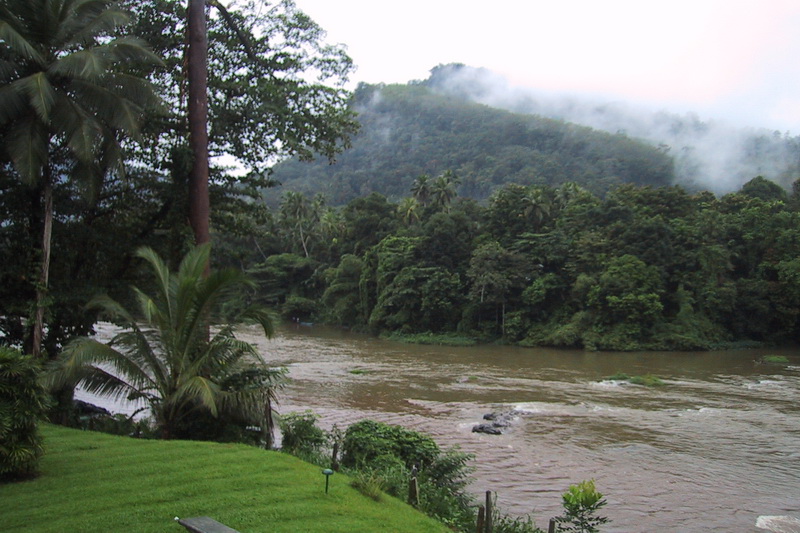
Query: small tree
point(581, 504)
point(23, 402)
point(195, 386)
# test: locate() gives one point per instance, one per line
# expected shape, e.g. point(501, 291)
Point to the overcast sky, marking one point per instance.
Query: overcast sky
point(731, 60)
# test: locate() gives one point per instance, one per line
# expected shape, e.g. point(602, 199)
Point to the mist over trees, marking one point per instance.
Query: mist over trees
point(474, 122)
point(708, 154)
point(411, 130)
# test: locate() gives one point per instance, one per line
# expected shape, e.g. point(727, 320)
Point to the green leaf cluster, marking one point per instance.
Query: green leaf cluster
point(23, 404)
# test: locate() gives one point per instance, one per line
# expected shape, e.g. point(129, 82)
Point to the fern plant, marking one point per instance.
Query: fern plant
point(23, 402)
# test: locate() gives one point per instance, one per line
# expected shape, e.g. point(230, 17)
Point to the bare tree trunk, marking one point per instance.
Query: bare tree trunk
point(44, 275)
point(199, 206)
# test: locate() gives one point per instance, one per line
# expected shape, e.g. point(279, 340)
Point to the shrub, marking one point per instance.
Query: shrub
point(301, 435)
point(581, 504)
point(520, 524)
point(366, 441)
point(23, 402)
point(390, 453)
point(370, 483)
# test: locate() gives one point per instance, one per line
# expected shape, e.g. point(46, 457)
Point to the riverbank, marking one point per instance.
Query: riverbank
point(93, 482)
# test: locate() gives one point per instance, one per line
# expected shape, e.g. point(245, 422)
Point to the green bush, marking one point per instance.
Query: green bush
point(23, 403)
point(301, 435)
point(390, 454)
point(581, 504)
point(367, 440)
point(370, 483)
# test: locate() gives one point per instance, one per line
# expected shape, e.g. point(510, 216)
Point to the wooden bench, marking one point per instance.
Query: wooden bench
point(205, 524)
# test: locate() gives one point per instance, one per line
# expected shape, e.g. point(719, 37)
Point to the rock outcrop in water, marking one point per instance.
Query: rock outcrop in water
point(497, 422)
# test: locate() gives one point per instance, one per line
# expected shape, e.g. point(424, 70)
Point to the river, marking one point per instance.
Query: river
point(712, 449)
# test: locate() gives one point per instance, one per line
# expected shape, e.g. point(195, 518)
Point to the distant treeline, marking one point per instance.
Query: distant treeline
point(641, 268)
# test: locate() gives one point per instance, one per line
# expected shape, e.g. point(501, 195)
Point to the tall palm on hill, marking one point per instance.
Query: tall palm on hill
point(65, 89)
point(165, 355)
point(443, 189)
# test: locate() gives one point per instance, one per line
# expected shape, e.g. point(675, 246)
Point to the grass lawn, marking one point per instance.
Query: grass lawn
point(97, 482)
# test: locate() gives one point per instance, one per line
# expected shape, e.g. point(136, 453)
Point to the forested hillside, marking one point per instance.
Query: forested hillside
point(709, 154)
point(409, 130)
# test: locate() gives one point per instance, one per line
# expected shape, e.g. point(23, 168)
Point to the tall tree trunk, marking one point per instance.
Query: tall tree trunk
point(44, 274)
point(197, 55)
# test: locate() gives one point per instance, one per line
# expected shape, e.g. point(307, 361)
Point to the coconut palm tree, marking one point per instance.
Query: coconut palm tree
point(443, 189)
point(409, 209)
point(65, 88)
point(166, 356)
point(421, 189)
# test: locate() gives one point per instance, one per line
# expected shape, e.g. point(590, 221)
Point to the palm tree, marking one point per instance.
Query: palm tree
point(443, 190)
point(165, 356)
point(421, 189)
point(296, 214)
point(539, 205)
point(409, 208)
point(64, 89)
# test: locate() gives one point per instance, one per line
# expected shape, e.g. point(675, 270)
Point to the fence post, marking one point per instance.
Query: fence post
point(413, 492)
point(489, 511)
point(335, 456)
point(481, 522)
point(552, 527)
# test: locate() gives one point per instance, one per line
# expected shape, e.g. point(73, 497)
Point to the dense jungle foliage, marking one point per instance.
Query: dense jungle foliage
point(641, 268)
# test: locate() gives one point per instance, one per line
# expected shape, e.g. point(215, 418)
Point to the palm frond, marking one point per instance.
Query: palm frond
point(160, 269)
point(133, 50)
point(261, 316)
point(40, 93)
point(194, 263)
point(114, 110)
point(201, 390)
point(111, 369)
point(88, 64)
point(19, 45)
point(91, 19)
point(135, 89)
point(12, 103)
point(83, 140)
point(27, 144)
point(111, 309)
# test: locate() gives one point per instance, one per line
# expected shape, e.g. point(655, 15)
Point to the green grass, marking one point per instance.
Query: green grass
point(775, 359)
point(444, 339)
point(93, 482)
point(648, 380)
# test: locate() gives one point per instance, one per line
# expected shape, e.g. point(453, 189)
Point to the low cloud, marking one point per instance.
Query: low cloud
point(709, 154)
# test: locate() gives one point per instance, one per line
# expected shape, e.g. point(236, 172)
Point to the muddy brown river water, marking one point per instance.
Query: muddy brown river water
point(712, 450)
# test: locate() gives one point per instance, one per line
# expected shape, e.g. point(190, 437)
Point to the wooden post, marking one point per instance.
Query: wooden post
point(552, 527)
point(481, 520)
point(334, 456)
point(488, 528)
point(413, 492)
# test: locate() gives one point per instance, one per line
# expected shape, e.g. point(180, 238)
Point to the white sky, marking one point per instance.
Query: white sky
point(731, 60)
